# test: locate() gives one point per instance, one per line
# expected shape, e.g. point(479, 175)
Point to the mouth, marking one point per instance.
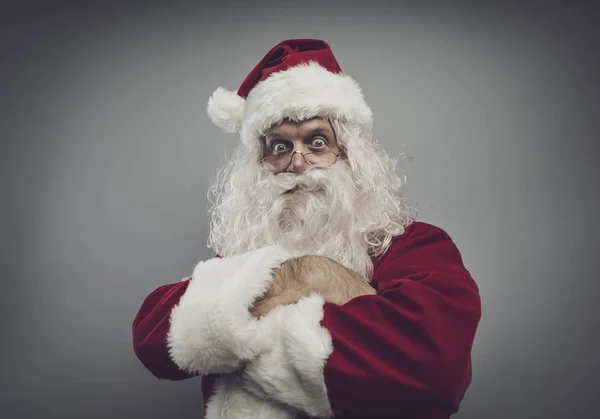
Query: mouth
point(291, 191)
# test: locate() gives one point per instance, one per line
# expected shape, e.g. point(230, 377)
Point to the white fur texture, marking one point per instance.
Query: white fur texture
point(348, 212)
point(302, 92)
point(289, 373)
point(298, 93)
point(211, 329)
point(231, 401)
point(226, 109)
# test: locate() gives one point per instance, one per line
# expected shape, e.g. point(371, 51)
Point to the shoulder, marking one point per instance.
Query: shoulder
point(418, 239)
point(419, 228)
point(419, 232)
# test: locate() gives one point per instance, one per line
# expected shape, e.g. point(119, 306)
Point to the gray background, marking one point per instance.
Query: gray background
point(107, 153)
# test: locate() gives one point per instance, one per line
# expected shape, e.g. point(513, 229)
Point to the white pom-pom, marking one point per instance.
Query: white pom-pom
point(226, 110)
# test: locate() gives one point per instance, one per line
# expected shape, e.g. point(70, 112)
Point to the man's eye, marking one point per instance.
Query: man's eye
point(318, 143)
point(279, 147)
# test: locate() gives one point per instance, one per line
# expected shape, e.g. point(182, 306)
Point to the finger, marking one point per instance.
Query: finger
point(267, 305)
point(262, 308)
point(258, 309)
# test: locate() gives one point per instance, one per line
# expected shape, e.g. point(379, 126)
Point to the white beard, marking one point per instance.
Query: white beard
point(348, 212)
point(312, 213)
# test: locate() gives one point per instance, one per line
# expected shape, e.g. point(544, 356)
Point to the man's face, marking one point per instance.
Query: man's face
point(307, 210)
point(313, 136)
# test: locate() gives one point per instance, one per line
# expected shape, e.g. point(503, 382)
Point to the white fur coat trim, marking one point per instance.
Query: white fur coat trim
point(301, 92)
point(211, 329)
point(231, 401)
point(285, 379)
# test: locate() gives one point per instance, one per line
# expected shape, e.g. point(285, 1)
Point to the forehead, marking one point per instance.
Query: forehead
point(293, 128)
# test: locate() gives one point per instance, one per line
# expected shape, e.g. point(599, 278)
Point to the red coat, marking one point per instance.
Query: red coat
point(403, 353)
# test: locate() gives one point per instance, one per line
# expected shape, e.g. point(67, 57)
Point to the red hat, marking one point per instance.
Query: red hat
point(297, 79)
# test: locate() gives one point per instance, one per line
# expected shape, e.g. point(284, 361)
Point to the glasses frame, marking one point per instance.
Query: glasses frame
point(337, 156)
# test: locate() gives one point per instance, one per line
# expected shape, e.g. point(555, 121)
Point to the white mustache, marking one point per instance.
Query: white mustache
point(313, 180)
point(347, 211)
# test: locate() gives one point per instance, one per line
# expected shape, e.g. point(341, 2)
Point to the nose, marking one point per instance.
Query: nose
point(298, 164)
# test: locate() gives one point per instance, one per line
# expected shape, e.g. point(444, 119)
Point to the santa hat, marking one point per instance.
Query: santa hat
point(297, 79)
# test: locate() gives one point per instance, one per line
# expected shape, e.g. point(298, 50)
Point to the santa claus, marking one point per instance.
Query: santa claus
point(325, 297)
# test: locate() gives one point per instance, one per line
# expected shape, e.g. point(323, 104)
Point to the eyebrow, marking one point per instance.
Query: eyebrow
point(315, 131)
point(311, 133)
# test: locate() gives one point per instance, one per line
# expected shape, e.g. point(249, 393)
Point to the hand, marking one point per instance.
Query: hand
point(289, 284)
point(299, 277)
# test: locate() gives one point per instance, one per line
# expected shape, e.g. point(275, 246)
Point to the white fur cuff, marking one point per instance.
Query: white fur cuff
point(291, 371)
point(211, 329)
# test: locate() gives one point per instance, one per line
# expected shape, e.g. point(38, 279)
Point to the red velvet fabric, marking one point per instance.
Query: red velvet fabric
point(150, 328)
point(286, 54)
point(404, 353)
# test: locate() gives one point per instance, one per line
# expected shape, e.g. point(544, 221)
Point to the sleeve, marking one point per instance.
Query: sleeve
point(202, 325)
point(405, 349)
point(150, 328)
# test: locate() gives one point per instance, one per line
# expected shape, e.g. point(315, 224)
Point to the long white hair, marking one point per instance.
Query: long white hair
point(348, 212)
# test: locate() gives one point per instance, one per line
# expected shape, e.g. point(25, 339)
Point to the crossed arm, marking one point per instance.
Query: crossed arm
point(299, 277)
point(404, 348)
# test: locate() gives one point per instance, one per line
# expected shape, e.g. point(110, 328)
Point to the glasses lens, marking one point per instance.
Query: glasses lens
point(281, 161)
point(278, 162)
point(322, 159)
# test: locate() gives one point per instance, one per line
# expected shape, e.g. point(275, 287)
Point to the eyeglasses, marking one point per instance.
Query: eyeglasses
point(315, 159)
